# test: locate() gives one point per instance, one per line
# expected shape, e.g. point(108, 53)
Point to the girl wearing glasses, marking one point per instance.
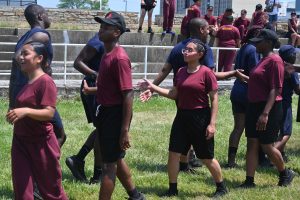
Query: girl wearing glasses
point(195, 121)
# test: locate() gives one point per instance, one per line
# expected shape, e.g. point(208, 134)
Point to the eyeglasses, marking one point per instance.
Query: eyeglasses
point(187, 50)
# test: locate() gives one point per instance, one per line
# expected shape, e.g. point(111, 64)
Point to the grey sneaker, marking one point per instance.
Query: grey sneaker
point(285, 180)
point(140, 197)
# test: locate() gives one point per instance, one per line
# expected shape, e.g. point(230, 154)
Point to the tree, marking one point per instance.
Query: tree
point(82, 4)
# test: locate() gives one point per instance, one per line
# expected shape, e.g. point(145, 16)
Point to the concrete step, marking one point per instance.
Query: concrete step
point(8, 31)
point(5, 66)
point(6, 55)
point(8, 47)
point(8, 38)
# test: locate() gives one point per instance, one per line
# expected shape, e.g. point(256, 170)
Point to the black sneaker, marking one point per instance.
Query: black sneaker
point(231, 165)
point(150, 30)
point(77, 168)
point(189, 170)
point(170, 193)
point(95, 180)
point(247, 185)
point(140, 30)
point(221, 191)
point(140, 197)
point(195, 163)
point(285, 180)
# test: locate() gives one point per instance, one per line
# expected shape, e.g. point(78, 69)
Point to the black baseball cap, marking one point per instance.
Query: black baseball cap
point(265, 34)
point(114, 19)
point(210, 7)
point(229, 10)
point(258, 7)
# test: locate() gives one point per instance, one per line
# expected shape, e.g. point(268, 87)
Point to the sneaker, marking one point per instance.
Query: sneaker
point(77, 168)
point(231, 165)
point(247, 185)
point(140, 30)
point(195, 162)
point(140, 197)
point(95, 180)
point(170, 193)
point(221, 191)
point(189, 170)
point(150, 30)
point(36, 193)
point(285, 180)
point(170, 32)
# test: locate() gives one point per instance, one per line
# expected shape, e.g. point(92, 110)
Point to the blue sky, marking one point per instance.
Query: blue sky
point(116, 5)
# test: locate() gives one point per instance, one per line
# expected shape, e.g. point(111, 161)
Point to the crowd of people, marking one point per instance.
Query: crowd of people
point(261, 103)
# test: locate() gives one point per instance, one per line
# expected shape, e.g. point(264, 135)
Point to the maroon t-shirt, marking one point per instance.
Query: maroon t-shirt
point(193, 88)
point(210, 20)
point(239, 21)
point(257, 18)
point(227, 35)
point(114, 77)
point(267, 75)
point(37, 95)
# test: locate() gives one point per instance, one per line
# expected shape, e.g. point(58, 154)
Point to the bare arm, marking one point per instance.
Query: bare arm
point(126, 119)
point(163, 74)
point(211, 128)
point(86, 54)
point(44, 114)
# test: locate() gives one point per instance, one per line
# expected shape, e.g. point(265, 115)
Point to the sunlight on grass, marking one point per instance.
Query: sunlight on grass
point(150, 130)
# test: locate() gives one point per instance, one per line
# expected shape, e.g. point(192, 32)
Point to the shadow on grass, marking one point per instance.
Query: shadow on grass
point(6, 193)
point(67, 175)
point(148, 167)
point(161, 191)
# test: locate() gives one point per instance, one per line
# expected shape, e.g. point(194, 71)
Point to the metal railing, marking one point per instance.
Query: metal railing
point(145, 73)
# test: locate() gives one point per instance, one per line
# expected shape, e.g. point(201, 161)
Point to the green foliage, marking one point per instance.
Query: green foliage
point(82, 4)
point(147, 158)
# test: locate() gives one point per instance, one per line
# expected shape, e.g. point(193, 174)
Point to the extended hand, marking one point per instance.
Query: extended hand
point(242, 77)
point(145, 96)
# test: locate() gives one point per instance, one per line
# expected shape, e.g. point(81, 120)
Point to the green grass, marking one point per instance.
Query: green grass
point(147, 158)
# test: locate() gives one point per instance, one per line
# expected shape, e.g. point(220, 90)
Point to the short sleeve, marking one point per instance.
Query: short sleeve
point(47, 92)
point(124, 74)
point(295, 79)
point(211, 83)
point(96, 44)
point(275, 74)
point(208, 59)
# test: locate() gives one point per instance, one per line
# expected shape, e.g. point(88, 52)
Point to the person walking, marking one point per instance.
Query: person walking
point(264, 113)
point(114, 94)
point(195, 120)
point(87, 62)
point(35, 150)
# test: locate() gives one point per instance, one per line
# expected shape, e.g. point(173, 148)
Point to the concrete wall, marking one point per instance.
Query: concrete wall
point(63, 18)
